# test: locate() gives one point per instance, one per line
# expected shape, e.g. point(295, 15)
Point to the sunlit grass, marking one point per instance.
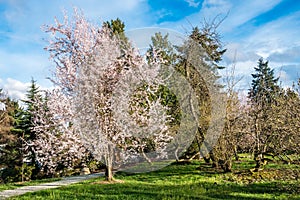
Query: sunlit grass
point(194, 180)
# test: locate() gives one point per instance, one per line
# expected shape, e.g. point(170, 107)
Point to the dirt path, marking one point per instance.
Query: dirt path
point(66, 181)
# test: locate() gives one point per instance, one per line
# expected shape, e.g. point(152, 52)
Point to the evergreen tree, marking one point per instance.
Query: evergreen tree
point(264, 85)
point(118, 28)
point(23, 127)
point(209, 40)
point(164, 46)
point(6, 120)
point(27, 124)
point(197, 60)
point(263, 94)
point(13, 150)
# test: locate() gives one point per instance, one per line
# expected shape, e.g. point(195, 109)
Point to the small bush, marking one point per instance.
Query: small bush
point(17, 173)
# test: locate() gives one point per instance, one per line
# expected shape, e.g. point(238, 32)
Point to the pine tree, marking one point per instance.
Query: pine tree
point(32, 93)
point(263, 94)
point(118, 28)
point(23, 126)
point(13, 149)
point(165, 48)
point(6, 120)
point(208, 39)
point(264, 85)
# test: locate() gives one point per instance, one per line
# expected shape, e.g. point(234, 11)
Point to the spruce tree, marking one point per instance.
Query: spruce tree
point(32, 93)
point(23, 126)
point(117, 27)
point(12, 151)
point(263, 94)
point(209, 40)
point(6, 120)
point(264, 86)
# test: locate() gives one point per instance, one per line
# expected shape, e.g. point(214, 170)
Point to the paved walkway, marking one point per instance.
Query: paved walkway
point(66, 181)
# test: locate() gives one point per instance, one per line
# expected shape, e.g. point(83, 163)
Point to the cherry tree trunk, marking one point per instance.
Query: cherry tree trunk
point(109, 173)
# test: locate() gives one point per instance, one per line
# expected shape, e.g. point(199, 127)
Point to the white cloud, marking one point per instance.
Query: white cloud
point(243, 11)
point(25, 18)
point(243, 71)
point(93, 8)
point(17, 90)
point(277, 41)
point(286, 54)
point(211, 8)
point(192, 3)
point(287, 73)
point(239, 12)
point(276, 36)
point(237, 52)
point(236, 13)
point(14, 88)
point(284, 76)
point(141, 38)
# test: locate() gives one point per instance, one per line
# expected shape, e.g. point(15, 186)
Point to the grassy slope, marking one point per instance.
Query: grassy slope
point(189, 181)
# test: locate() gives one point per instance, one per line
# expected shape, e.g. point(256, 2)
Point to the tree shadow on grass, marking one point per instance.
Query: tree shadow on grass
point(154, 191)
point(172, 182)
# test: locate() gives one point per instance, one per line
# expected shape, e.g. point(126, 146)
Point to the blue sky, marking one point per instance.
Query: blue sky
point(252, 29)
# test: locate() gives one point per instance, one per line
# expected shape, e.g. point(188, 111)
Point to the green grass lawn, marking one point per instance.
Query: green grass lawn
point(194, 180)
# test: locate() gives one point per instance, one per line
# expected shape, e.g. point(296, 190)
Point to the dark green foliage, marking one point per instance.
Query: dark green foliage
point(209, 40)
point(25, 123)
point(13, 152)
point(167, 53)
point(18, 158)
point(264, 93)
point(164, 47)
point(168, 98)
point(264, 85)
point(6, 119)
point(117, 27)
point(17, 173)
